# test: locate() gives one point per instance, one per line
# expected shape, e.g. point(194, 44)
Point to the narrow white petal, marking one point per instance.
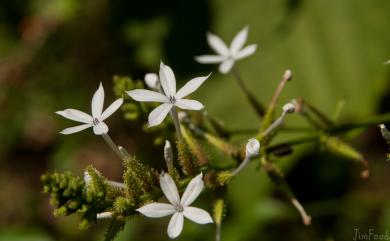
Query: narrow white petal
point(151, 80)
point(98, 102)
point(112, 108)
point(191, 86)
point(159, 114)
point(100, 128)
point(75, 115)
point(239, 41)
point(226, 66)
point(167, 79)
point(147, 96)
point(217, 44)
point(189, 104)
point(169, 189)
point(197, 215)
point(75, 129)
point(192, 191)
point(209, 59)
point(248, 50)
point(157, 210)
point(175, 225)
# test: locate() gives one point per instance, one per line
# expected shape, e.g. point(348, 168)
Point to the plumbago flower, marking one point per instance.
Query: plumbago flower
point(178, 208)
point(227, 55)
point(170, 98)
point(97, 118)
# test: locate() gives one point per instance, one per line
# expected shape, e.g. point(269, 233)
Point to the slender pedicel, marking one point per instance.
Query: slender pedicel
point(252, 100)
point(287, 109)
point(306, 219)
point(113, 146)
point(251, 151)
point(176, 121)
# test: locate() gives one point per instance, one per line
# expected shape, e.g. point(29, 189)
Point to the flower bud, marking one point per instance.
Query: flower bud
point(168, 155)
point(385, 132)
point(151, 80)
point(252, 147)
point(87, 178)
point(287, 75)
point(289, 107)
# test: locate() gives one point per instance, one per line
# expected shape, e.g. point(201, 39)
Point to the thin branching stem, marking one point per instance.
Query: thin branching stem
point(252, 100)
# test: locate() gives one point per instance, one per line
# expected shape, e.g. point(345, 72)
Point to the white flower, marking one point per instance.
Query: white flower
point(387, 62)
point(178, 208)
point(151, 81)
point(227, 56)
point(97, 118)
point(252, 147)
point(171, 97)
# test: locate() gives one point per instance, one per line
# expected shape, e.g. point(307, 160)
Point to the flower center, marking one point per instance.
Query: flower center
point(172, 99)
point(179, 208)
point(95, 121)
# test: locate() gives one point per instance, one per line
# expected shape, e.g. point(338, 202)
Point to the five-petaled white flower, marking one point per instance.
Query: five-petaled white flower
point(171, 97)
point(97, 118)
point(227, 56)
point(178, 208)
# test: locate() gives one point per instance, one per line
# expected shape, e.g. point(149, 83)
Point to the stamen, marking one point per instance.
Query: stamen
point(172, 99)
point(96, 121)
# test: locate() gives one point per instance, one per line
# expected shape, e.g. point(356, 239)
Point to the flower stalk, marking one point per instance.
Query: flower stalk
point(257, 107)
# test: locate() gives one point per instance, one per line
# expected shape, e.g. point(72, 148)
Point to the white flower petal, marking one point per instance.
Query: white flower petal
point(189, 104)
point(98, 102)
point(75, 129)
point(151, 80)
point(158, 114)
point(111, 109)
point(197, 215)
point(248, 50)
point(75, 115)
point(192, 191)
point(226, 66)
point(190, 86)
point(175, 225)
point(167, 79)
point(169, 189)
point(157, 210)
point(209, 59)
point(100, 128)
point(147, 96)
point(217, 44)
point(239, 41)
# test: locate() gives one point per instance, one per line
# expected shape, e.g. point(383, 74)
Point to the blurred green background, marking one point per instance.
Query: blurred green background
point(53, 54)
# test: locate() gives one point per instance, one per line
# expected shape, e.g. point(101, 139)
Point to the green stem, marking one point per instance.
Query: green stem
point(252, 100)
point(176, 121)
point(112, 145)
